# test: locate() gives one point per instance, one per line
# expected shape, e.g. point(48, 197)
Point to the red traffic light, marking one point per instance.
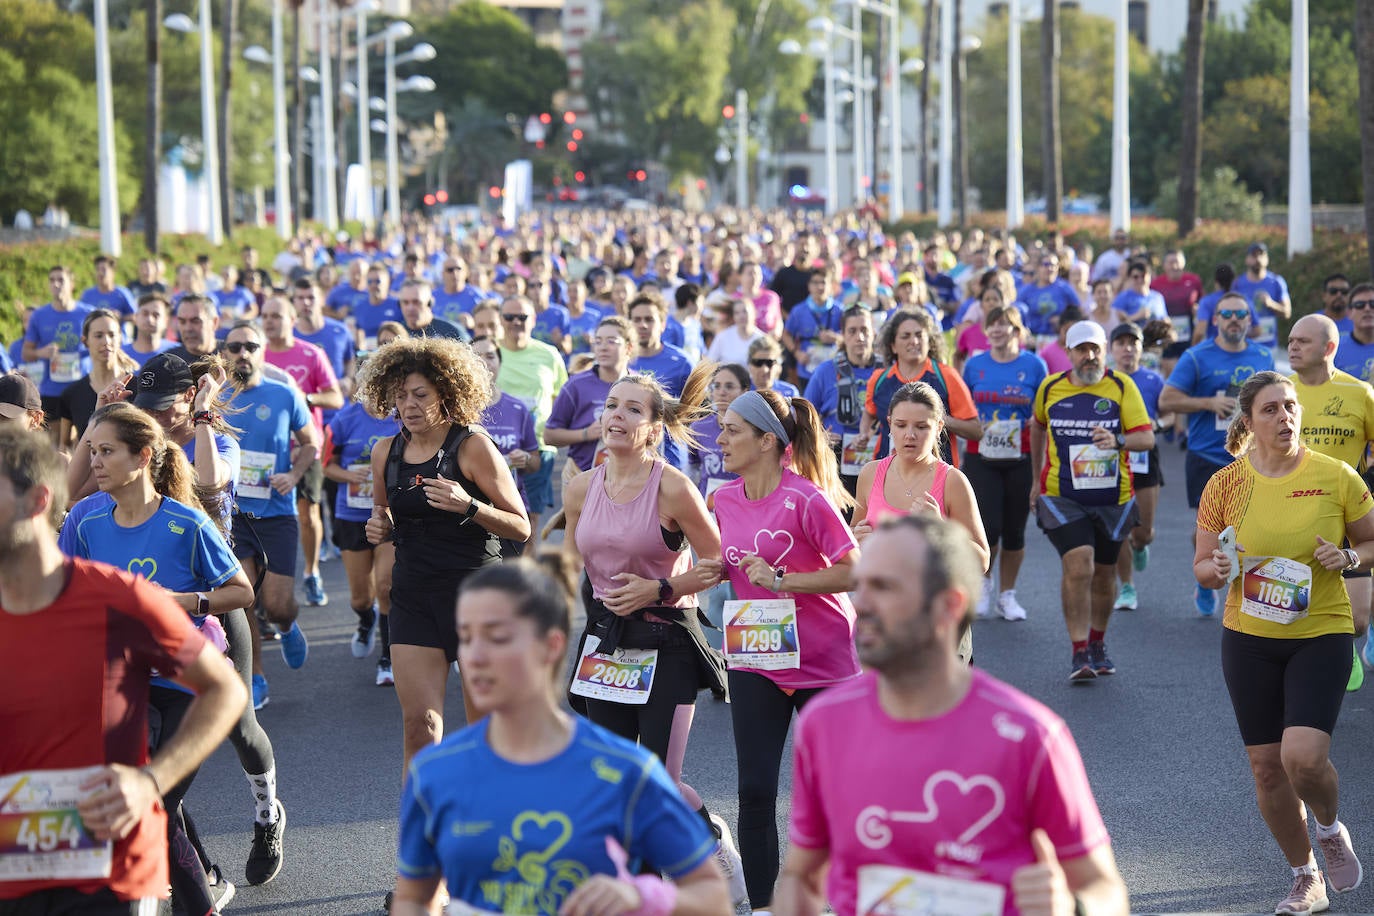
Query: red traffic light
point(572, 146)
point(577, 134)
point(728, 111)
point(805, 118)
point(441, 196)
point(569, 117)
point(429, 200)
point(546, 118)
point(641, 175)
point(579, 176)
point(494, 191)
point(538, 144)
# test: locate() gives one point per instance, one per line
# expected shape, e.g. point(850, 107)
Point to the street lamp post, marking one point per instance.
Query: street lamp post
point(1299, 148)
point(104, 101)
point(329, 176)
point(945, 194)
point(742, 149)
point(1121, 131)
point(180, 22)
point(364, 134)
point(1016, 192)
point(398, 31)
point(282, 155)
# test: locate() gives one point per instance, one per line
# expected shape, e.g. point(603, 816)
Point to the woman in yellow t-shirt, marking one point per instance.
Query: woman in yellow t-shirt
point(1288, 632)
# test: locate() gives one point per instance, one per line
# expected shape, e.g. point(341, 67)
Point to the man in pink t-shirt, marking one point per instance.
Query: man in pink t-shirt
point(308, 365)
point(976, 802)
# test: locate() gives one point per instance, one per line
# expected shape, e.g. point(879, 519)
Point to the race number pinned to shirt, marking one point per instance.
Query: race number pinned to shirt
point(1001, 440)
point(65, 367)
point(255, 469)
point(1276, 589)
point(360, 494)
point(33, 371)
point(887, 890)
point(1140, 462)
point(625, 676)
point(1093, 468)
point(41, 834)
point(853, 458)
point(762, 634)
point(1223, 424)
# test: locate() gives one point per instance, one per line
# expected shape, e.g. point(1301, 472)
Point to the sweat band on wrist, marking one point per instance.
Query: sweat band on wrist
point(657, 897)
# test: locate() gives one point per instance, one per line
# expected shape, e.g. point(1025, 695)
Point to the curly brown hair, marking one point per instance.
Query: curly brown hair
point(459, 376)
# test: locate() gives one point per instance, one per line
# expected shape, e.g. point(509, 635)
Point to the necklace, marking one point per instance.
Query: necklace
point(633, 476)
point(920, 476)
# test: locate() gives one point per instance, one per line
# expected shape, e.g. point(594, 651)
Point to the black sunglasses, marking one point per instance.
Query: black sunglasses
point(763, 363)
point(515, 319)
point(238, 346)
point(1362, 305)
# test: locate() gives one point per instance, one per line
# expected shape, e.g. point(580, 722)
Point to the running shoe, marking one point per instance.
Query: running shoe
point(1342, 867)
point(260, 695)
point(984, 608)
point(384, 678)
point(1082, 667)
point(265, 629)
point(1011, 608)
point(221, 888)
point(1140, 557)
point(727, 857)
point(1206, 601)
point(1126, 599)
point(1368, 651)
point(294, 647)
point(1307, 896)
point(1101, 661)
point(1356, 674)
point(266, 854)
point(314, 592)
point(329, 552)
point(365, 637)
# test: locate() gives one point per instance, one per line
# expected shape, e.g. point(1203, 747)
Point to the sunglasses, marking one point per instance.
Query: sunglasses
point(239, 346)
point(1226, 314)
point(515, 319)
point(1338, 290)
point(763, 363)
point(1362, 305)
point(454, 270)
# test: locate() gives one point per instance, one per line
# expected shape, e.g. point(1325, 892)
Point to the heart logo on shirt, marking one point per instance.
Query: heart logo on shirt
point(768, 543)
point(146, 567)
point(873, 825)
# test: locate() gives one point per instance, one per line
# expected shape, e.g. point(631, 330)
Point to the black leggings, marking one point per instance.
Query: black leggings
point(762, 714)
point(250, 741)
point(675, 684)
point(187, 875)
point(66, 901)
point(1003, 492)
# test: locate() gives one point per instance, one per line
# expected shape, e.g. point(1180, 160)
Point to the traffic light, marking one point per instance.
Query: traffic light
point(546, 118)
point(441, 196)
point(577, 134)
point(728, 112)
point(572, 146)
point(579, 177)
point(569, 117)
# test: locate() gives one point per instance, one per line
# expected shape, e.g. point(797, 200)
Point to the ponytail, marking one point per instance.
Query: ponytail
point(812, 456)
point(677, 414)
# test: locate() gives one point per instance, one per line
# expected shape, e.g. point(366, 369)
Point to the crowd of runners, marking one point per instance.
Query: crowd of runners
point(783, 460)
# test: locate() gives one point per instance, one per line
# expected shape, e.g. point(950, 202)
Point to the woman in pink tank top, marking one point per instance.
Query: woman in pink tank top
point(913, 478)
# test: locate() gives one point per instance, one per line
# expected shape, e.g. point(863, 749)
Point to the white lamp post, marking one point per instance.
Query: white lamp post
point(110, 242)
point(944, 204)
point(329, 171)
point(364, 134)
point(820, 48)
point(1016, 192)
point(399, 31)
point(282, 157)
point(1299, 151)
point(1121, 127)
point(180, 22)
point(742, 149)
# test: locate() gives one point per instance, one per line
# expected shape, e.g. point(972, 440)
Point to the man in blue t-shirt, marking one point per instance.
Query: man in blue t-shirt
point(341, 301)
point(648, 314)
point(1356, 351)
point(1204, 384)
point(811, 332)
point(379, 306)
point(1047, 297)
point(277, 447)
point(838, 387)
point(54, 336)
point(106, 294)
point(1267, 292)
point(453, 302)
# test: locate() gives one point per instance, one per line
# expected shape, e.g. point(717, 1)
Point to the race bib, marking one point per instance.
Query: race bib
point(1093, 468)
point(625, 676)
point(853, 458)
point(602, 453)
point(1183, 326)
point(762, 634)
point(255, 468)
point(1269, 328)
point(1001, 440)
point(715, 483)
point(369, 342)
point(65, 367)
point(33, 371)
point(41, 834)
point(463, 908)
point(819, 353)
point(1223, 424)
point(1140, 462)
point(887, 890)
point(360, 494)
point(1276, 589)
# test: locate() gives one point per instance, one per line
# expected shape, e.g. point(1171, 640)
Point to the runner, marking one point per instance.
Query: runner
point(575, 420)
point(95, 682)
point(511, 426)
point(1283, 509)
point(1084, 421)
point(1146, 474)
point(1043, 850)
point(446, 501)
point(100, 334)
point(527, 762)
point(789, 556)
point(1003, 382)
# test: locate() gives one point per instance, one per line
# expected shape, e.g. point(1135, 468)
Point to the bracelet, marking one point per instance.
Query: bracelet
point(207, 417)
point(147, 770)
point(656, 896)
point(1352, 558)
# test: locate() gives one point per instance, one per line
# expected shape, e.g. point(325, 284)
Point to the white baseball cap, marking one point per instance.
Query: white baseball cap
point(1086, 331)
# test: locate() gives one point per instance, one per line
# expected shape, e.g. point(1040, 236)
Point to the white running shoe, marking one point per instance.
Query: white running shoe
point(1011, 608)
point(984, 608)
point(727, 857)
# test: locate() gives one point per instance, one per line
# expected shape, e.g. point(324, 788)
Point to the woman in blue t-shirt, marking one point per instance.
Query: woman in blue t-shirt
point(149, 521)
point(563, 802)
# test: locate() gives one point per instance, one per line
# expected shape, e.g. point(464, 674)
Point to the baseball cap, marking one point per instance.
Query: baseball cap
point(907, 277)
point(1085, 332)
point(1126, 329)
point(18, 395)
point(162, 379)
point(1257, 247)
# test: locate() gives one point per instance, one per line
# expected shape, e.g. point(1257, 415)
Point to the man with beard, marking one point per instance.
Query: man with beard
point(1085, 421)
point(865, 822)
point(838, 386)
point(278, 446)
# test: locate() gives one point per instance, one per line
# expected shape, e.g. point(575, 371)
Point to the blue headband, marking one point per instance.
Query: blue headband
point(755, 410)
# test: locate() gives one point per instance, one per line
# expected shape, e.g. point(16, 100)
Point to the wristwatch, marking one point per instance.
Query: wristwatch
point(1352, 559)
point(470, 512)
point(202, 604)
point(665, 591)
point(778, 573)
point(1120, 440)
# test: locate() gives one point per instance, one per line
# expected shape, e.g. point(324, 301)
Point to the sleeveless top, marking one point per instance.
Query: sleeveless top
point(431, 544)
point(878, 506)
point(614, 538)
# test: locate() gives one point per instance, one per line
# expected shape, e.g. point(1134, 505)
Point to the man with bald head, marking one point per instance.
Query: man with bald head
point(1337, 420)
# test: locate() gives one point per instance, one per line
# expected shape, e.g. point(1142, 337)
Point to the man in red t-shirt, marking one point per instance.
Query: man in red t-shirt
point(1181, 291)
point(81, 824)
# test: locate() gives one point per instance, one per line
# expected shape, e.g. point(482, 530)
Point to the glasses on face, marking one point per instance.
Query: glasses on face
point(1363, 304)
point(763, 363)
point(1228, 314)
point(454, 269)
point(1338, 290)
point(515, 319)
point(238, 346)
point(608, 341)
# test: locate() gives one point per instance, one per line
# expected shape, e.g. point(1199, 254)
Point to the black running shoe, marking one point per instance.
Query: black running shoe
point(266, 855)
point(1081, 670)
point(1101, 662)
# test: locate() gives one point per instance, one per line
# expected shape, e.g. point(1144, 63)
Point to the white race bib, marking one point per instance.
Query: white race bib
point(1140, 462)
point(65, 367)
point(255, 469)
point(1223, 424)
point(360, 494)
point(625, 676)
point(1001, 440)
point(1276, 589)
point(762, 634)
point(1093, 468)
point(853, 458)
point(33, 371)
point(1269, 327)
point(819, 353)
point(887, 890)
point(41, 834)
point(370, 342)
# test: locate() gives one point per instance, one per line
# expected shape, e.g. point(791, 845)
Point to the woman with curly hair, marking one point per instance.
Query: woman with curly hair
point(446, 501)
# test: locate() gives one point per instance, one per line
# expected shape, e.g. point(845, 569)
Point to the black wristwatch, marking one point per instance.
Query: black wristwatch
point(1120, 440)
point(202, 604)
point(470, 512)
point(665, 591)
point(778, 573)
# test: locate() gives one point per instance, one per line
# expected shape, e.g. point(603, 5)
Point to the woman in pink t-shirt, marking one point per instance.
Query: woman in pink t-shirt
point(767, 305)
point(789, 556)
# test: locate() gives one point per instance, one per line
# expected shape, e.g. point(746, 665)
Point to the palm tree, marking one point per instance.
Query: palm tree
point(228, 25)
point(928, 55)
point(1049, 84)
point(152, 129)
point(1190, 143)
point(1364, 56)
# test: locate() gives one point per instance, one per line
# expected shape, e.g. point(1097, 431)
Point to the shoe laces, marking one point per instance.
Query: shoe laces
point(1304, 884)
point(1333, 847)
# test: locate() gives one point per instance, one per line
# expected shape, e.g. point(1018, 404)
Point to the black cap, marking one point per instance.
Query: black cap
point(162, 379)
point(18, 395)
point(1126, 329)
point(1257, 247)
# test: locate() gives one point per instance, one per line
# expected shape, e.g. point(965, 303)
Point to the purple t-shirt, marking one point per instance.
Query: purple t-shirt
point(511, 426)
point(577, 406)
point(707, 467)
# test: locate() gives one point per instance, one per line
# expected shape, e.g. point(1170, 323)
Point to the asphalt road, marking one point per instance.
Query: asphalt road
point(1158, 739)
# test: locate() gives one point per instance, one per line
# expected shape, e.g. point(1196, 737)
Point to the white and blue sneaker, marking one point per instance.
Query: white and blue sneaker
point(294, 647)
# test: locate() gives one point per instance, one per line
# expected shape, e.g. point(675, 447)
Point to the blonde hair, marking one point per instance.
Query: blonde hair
point(677, 414)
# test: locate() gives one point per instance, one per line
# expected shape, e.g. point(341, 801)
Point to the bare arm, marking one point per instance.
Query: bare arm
point(574, 498)
point(414, 897)
point(863, 489)
point(961, 506)
point(829, 581)
point(1174, 400)
point(972, 428)
point(232, 595)
point(800, 890)
point(682, 502)
point(1038, 434)
point(483, 465)
point(328, 399)
point(561, 438)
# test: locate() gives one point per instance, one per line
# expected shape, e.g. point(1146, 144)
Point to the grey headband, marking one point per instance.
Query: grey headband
point(754, 409)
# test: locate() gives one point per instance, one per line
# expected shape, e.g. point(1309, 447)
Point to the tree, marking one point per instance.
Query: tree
point(1190, 155)
point(1364, 54)
point(1049, 88)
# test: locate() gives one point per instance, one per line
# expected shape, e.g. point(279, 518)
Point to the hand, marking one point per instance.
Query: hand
point(448, 495)
point(379, 526)
point(518, 459)
point(1221, 563)
point(1223, 406)
point(358, 477)
point(710, 572)
point(1034, 496)
point(828, 336)
point(49, 352)
point(636, 592)
point(283, 483)
point(1330, 555)
point(208, 388)
point(860, 440)
point(757, 571)
point(116, 391)
point(1104, 438)
point(1040, 889)
point(602, 895)
point(861, 531)
point(121, 796)
point(924, 504)
point(592, 431)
